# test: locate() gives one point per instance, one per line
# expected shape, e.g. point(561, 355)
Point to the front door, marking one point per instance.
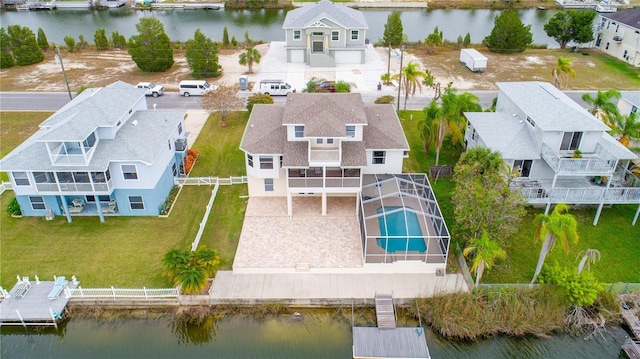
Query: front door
point(317, 46)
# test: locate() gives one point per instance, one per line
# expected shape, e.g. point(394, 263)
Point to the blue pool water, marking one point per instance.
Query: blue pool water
point(397, 228)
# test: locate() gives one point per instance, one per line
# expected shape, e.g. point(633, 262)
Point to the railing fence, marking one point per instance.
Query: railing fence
point(210, 181)
point(112, 292)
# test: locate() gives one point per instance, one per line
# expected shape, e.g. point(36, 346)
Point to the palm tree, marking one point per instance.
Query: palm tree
point(410, 76)
point(452, 116)
point(590, 256)
point(190, 269)
point(248, 57)
point(562, 69)
point(428, 127)
point(557, 225)
point(601, 105)
point(627, 127)
point(486, 252)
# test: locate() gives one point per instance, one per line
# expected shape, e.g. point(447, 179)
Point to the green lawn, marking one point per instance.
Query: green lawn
point(16, 127)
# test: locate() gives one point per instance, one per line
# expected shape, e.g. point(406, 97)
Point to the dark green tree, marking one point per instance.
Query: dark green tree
point(100, 40)
point(151, 49)
point(258, 98)
point(190, 269)
point(82, 43)
point(24, 45)
point(248, 41)
point(225, 37)
point(118, 41)
point(70, 42)
point(234, 42)
point(393, 30)
point(572, 25)
point(6, 58)
point(202, 56)
point(42, 40)
point(467, 40)
point(509, 34)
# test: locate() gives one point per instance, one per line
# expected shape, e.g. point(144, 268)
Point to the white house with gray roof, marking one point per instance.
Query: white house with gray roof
point(618, 35)
point(325, 34)
point(538, 130)
point(629, 102)
point(103, 153)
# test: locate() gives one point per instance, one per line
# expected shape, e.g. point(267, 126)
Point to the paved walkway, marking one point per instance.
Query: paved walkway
point(194, 122)
point(327, 289)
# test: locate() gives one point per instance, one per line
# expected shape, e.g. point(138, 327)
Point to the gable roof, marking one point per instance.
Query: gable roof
point(339, 14)
point(341, 109)
point(628, 17)
point(549, 107)
point(632, 97)
point(504, 133)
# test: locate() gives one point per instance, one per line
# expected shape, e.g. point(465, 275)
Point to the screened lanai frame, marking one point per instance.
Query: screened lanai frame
point(409, 199)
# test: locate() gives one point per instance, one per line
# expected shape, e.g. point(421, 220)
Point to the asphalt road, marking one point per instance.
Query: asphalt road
point(53, 101)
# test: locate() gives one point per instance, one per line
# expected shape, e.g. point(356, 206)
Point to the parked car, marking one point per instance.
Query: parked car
point(195, 88)
point(152, 89)
point(326, 86)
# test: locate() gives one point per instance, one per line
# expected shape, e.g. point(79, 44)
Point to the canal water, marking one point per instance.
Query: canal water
point(313, 335)
point(266, 25)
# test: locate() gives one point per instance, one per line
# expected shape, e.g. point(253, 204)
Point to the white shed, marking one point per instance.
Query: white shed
point(473, 60)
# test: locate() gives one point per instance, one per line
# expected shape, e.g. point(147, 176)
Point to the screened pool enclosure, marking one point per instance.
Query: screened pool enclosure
point(400, 220)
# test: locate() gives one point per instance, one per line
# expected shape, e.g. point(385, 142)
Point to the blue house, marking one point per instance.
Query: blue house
point(104, 153)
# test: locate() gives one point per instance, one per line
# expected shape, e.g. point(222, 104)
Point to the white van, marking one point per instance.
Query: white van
point(195, 87)
point(275, 87)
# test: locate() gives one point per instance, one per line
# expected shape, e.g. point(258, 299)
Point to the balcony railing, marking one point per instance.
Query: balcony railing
point(324, 156)
point(322, 182)
point(74, 187)
point(590, 195)
point(601, 162)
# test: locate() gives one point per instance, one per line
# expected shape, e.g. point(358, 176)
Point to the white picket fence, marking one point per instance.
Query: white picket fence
point(5, 186)
point(196, 241)
point(210, 181)
point(112, 292)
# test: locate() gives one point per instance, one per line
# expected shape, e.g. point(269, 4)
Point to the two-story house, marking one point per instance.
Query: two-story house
point(629, 102)
point(103, 153)
point(618, 35)
point(563, 154)
point(325, 34)
point(325, 147)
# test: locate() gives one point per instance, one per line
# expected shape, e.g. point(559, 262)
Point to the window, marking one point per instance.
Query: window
point(136, 202)
point(37, 202)
point(335, 35)
point(531, 122)
point(268, 184)
point(174, 169)
point(607, 46)
point(351, 131)
point(21, 178)
point(129, 172)
point(617, 28)
point(299, 131)
point(354, 34)
point(266, 162)
point(570, 141)
point(524, 166)
point(180, 128)
point(169, 143)
point(473, 134)
point(296, 34)
point(319, 141)
point(634, 109)
point(608, 24)
point(90, 140)
point(625, 54)
point(317, 33)
point(81, 177)
point(330, 141)
point(44, 177)
point(250, 160)
point(378, 157)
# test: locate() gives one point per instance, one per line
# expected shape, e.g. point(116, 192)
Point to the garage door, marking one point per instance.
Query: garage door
point(347, 57)
point(297, 56)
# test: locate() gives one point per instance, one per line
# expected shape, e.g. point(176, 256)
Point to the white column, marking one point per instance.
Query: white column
point(595, 219)
point(324, 203)
point(289, 204)
point(635, 218)
point(357, 203)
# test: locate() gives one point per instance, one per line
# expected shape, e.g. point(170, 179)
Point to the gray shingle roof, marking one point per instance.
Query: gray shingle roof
point(618, 150)
point(550, 108)
point(628, 17)
point(264, 132)
point(354, 154)
point(296, 154)
point(134, 143)
point(306, 108)
point(504, 133)
point(384, 131)
point(325, 9)
point(633, 97)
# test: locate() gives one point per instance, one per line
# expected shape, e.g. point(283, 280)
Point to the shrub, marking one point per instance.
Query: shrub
point(13, 208)
point(192, 155)
point(581, 289)
point(171, 197)
point(42, 40)
point(258, 98)
point(70, 42)
point(100, 39)
point(385, 99)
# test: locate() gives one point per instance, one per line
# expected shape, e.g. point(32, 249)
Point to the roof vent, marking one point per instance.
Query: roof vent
point(134, 122)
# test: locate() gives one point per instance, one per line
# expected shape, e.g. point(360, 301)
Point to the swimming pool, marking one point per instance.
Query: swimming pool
point(398, 228)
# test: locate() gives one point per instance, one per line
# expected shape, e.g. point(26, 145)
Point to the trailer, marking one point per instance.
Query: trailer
point(473, 60)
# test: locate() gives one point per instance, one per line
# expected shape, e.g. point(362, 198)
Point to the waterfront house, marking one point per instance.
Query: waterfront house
point(338, 162)
point(563, 153)
point(629, 102)
point(102, 153)
point(618, 34)
point(325, 34)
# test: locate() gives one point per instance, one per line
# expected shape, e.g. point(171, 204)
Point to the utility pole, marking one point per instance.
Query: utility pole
point(400, 79)
point(389, 62)
point(59, 60)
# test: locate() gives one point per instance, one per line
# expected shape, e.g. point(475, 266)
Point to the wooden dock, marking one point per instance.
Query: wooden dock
point(632, 348)
point(630, 310)
point(385, 311)
point(388, 341)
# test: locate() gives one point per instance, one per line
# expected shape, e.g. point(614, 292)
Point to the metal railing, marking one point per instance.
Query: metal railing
point(210, 181)
point(603, 163)
point(612, 195)
point(112, 292)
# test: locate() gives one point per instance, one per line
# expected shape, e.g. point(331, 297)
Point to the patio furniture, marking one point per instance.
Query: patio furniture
point(111, 208)
point(61, 282)
point(77, 202)
point(20, 289)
